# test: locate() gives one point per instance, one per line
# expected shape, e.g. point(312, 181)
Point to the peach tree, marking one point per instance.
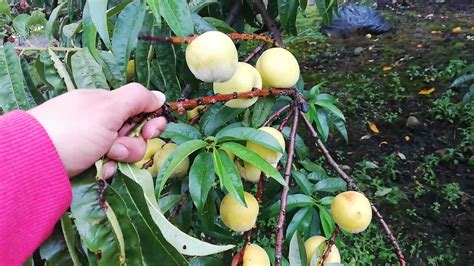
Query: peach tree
point(231, 165)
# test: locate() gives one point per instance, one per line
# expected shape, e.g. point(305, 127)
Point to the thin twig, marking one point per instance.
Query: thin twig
point(352, 185)
point(36, 48)
point(329, 245)
point(276, 115)
point(178, 207)
point(255, 52)
point(284, 194)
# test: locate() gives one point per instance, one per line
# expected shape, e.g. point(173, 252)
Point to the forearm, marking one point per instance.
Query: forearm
point(34, 187)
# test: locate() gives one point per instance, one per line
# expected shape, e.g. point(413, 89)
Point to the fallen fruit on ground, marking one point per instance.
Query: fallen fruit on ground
point(317, 245)
point(278, 68)
point(245, 78)
point(254, 255)
point(252, 173)
point(152, 147)
point(212, 57)
point(236, 216)
point(160, 157)
point(130, 70)
point(351, 210)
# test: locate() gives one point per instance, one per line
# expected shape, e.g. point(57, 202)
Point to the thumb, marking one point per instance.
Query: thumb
point(133, 99)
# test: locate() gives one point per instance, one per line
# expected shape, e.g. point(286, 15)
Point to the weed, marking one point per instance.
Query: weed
point(452, 193)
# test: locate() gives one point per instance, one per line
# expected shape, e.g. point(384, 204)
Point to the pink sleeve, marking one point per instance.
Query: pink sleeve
point(34, 187)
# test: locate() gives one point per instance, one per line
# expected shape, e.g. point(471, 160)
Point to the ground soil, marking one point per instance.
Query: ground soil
point(422, 36)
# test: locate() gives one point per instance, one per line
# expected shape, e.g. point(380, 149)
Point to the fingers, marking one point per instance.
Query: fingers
point(133, 99)
point(108, 169)
point(127, 149)
point(154, 127)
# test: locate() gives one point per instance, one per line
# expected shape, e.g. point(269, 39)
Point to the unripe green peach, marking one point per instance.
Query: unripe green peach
point(130, 70)
point(351, 210)
point(245, 78)
point(161, 156)
point(313, 244)
point(237, 217)
point(212, 57)
point(251, 172)
point(278, 68)
point(152, 147)
point(254, 255)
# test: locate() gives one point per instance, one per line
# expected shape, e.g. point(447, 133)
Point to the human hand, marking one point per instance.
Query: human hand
point(84, 124)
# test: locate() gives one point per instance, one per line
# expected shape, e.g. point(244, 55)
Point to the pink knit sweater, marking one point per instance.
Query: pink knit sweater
point(34, 187)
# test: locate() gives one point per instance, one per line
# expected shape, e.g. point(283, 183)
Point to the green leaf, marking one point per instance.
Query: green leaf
point(5, 8)
point(48, 73)
point(261, 110)
point(145, 50)
point(54, 250)
point(62, 72)
point(90, 218)
point(12, 89)
point(168, 202)
point(301, 149)
point(98, 12)
point(35, 93)
point(303, 182)
point(164, 67)
point(260, 137)
point(70, 237)
point(331, 107)
point(288, 10)
point(201, 178)
point(462, 79)
point(293, 201)
point(176, 13)
point(197, 6)
point(184, 243)
point(297, 252)
point(340, 125)
point(217, 116)
point(155, 8)
point(220, 25)
point(174, 159)
point(253, 158)
point(20, 23)
point(89, 35)
point(303, 5)
point(111, 69)
point(127, 27)
point(37, 22)
point(330, 185)
point(155, 249)
point(228, 175)
point(49, 28)
point(180, 132)
point(301, 222)
point(322, 124)
point(200, 24)
point(132, 248)
point(87, 72)
point(206, 261)
point(326, 221)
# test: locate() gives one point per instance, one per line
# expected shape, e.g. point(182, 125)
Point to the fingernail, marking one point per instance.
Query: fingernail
point(119, 151)
point(161, 97)
point(109, 171)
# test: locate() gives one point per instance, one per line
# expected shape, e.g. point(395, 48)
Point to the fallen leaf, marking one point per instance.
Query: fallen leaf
point(407, 138)
point(387, 68)
point(457, 30)
point(382, 143)
point(365, 137)
point(374, 128)
point(397, 63)
point(426, 91)
point(436, 32)
point(402, 156)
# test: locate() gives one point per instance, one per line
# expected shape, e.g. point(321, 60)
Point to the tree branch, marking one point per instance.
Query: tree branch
point(352, 185)
point(284, 194)
point(234, 11)
point(330, 243)
point(269, 21)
